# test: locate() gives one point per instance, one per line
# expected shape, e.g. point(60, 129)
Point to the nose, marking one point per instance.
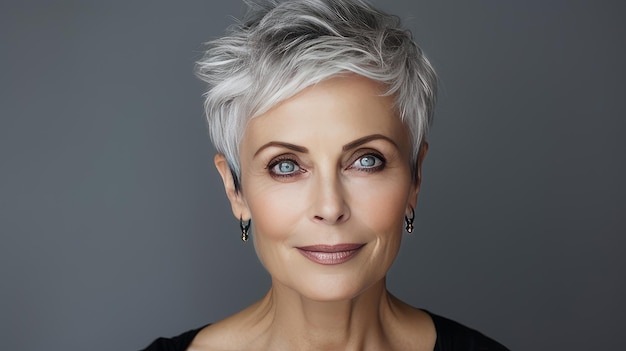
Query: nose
point(329, 198)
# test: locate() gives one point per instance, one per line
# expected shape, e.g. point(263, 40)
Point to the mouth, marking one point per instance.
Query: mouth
point(330, 254)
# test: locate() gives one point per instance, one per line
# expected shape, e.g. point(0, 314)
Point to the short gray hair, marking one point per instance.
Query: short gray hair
point(282, 47)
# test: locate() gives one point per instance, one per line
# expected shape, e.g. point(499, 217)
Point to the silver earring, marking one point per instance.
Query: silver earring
point(409, 221)
point(244, 228)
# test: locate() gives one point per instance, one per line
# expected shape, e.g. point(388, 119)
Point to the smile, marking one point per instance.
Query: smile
point(330, 255)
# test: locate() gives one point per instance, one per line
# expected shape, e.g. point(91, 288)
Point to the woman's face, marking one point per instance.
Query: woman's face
point(326, 179)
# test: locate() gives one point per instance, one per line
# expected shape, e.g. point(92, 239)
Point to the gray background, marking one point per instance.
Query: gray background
point(115, 228)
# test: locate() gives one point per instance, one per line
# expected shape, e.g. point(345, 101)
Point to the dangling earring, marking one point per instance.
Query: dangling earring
point(244, 229)
point(409, 221)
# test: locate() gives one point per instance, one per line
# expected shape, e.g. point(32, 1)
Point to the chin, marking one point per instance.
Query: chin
point(332, 288)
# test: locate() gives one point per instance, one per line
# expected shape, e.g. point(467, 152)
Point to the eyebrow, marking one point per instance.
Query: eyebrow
point(289, 146)
point(349, 146)
point(366, 139)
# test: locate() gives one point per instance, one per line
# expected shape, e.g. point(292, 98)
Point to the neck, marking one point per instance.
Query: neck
point(352, 324)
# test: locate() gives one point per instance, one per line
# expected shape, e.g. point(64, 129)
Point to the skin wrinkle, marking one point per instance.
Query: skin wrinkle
point(311, 306)
point(281, 48)
point(351, 145)
point(300, 94)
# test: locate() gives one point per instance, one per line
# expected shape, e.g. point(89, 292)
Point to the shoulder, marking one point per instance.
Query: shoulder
point(177, 343)
point(453, 336)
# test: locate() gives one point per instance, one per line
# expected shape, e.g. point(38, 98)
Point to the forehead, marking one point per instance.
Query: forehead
point(338, 110)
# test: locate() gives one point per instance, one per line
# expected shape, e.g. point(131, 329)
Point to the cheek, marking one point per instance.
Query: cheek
point(275, 209)
point(276, 212)
point(380, 211)
point(381, 205)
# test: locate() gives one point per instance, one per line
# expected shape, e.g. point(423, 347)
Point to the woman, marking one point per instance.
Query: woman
point(319, 111)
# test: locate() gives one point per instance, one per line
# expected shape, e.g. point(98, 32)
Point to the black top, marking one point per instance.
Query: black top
point(451, 336)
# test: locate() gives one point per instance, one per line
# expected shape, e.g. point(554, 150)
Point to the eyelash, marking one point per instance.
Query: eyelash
point(376, 168)
point(278, 160)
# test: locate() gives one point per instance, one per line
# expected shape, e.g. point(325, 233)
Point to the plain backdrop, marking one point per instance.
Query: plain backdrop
point(115, 228)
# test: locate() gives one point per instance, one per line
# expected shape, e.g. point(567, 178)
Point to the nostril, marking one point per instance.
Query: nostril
point(320, 218)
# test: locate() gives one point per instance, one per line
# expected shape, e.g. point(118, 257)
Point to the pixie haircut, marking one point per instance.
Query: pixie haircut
point(282, 47)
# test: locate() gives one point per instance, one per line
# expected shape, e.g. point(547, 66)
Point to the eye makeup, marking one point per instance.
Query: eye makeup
point(284, 167)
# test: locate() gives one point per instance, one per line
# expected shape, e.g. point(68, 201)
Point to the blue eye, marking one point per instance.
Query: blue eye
point(368, 162)
point(285, 167)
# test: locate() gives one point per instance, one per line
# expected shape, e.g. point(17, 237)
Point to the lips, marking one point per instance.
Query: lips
point(330, 254)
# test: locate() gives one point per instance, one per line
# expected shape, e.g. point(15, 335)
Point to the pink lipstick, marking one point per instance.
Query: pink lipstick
point(330, 254)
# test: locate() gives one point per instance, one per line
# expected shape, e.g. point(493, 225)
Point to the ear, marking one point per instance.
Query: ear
point(415, 189)
point(237, 203)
